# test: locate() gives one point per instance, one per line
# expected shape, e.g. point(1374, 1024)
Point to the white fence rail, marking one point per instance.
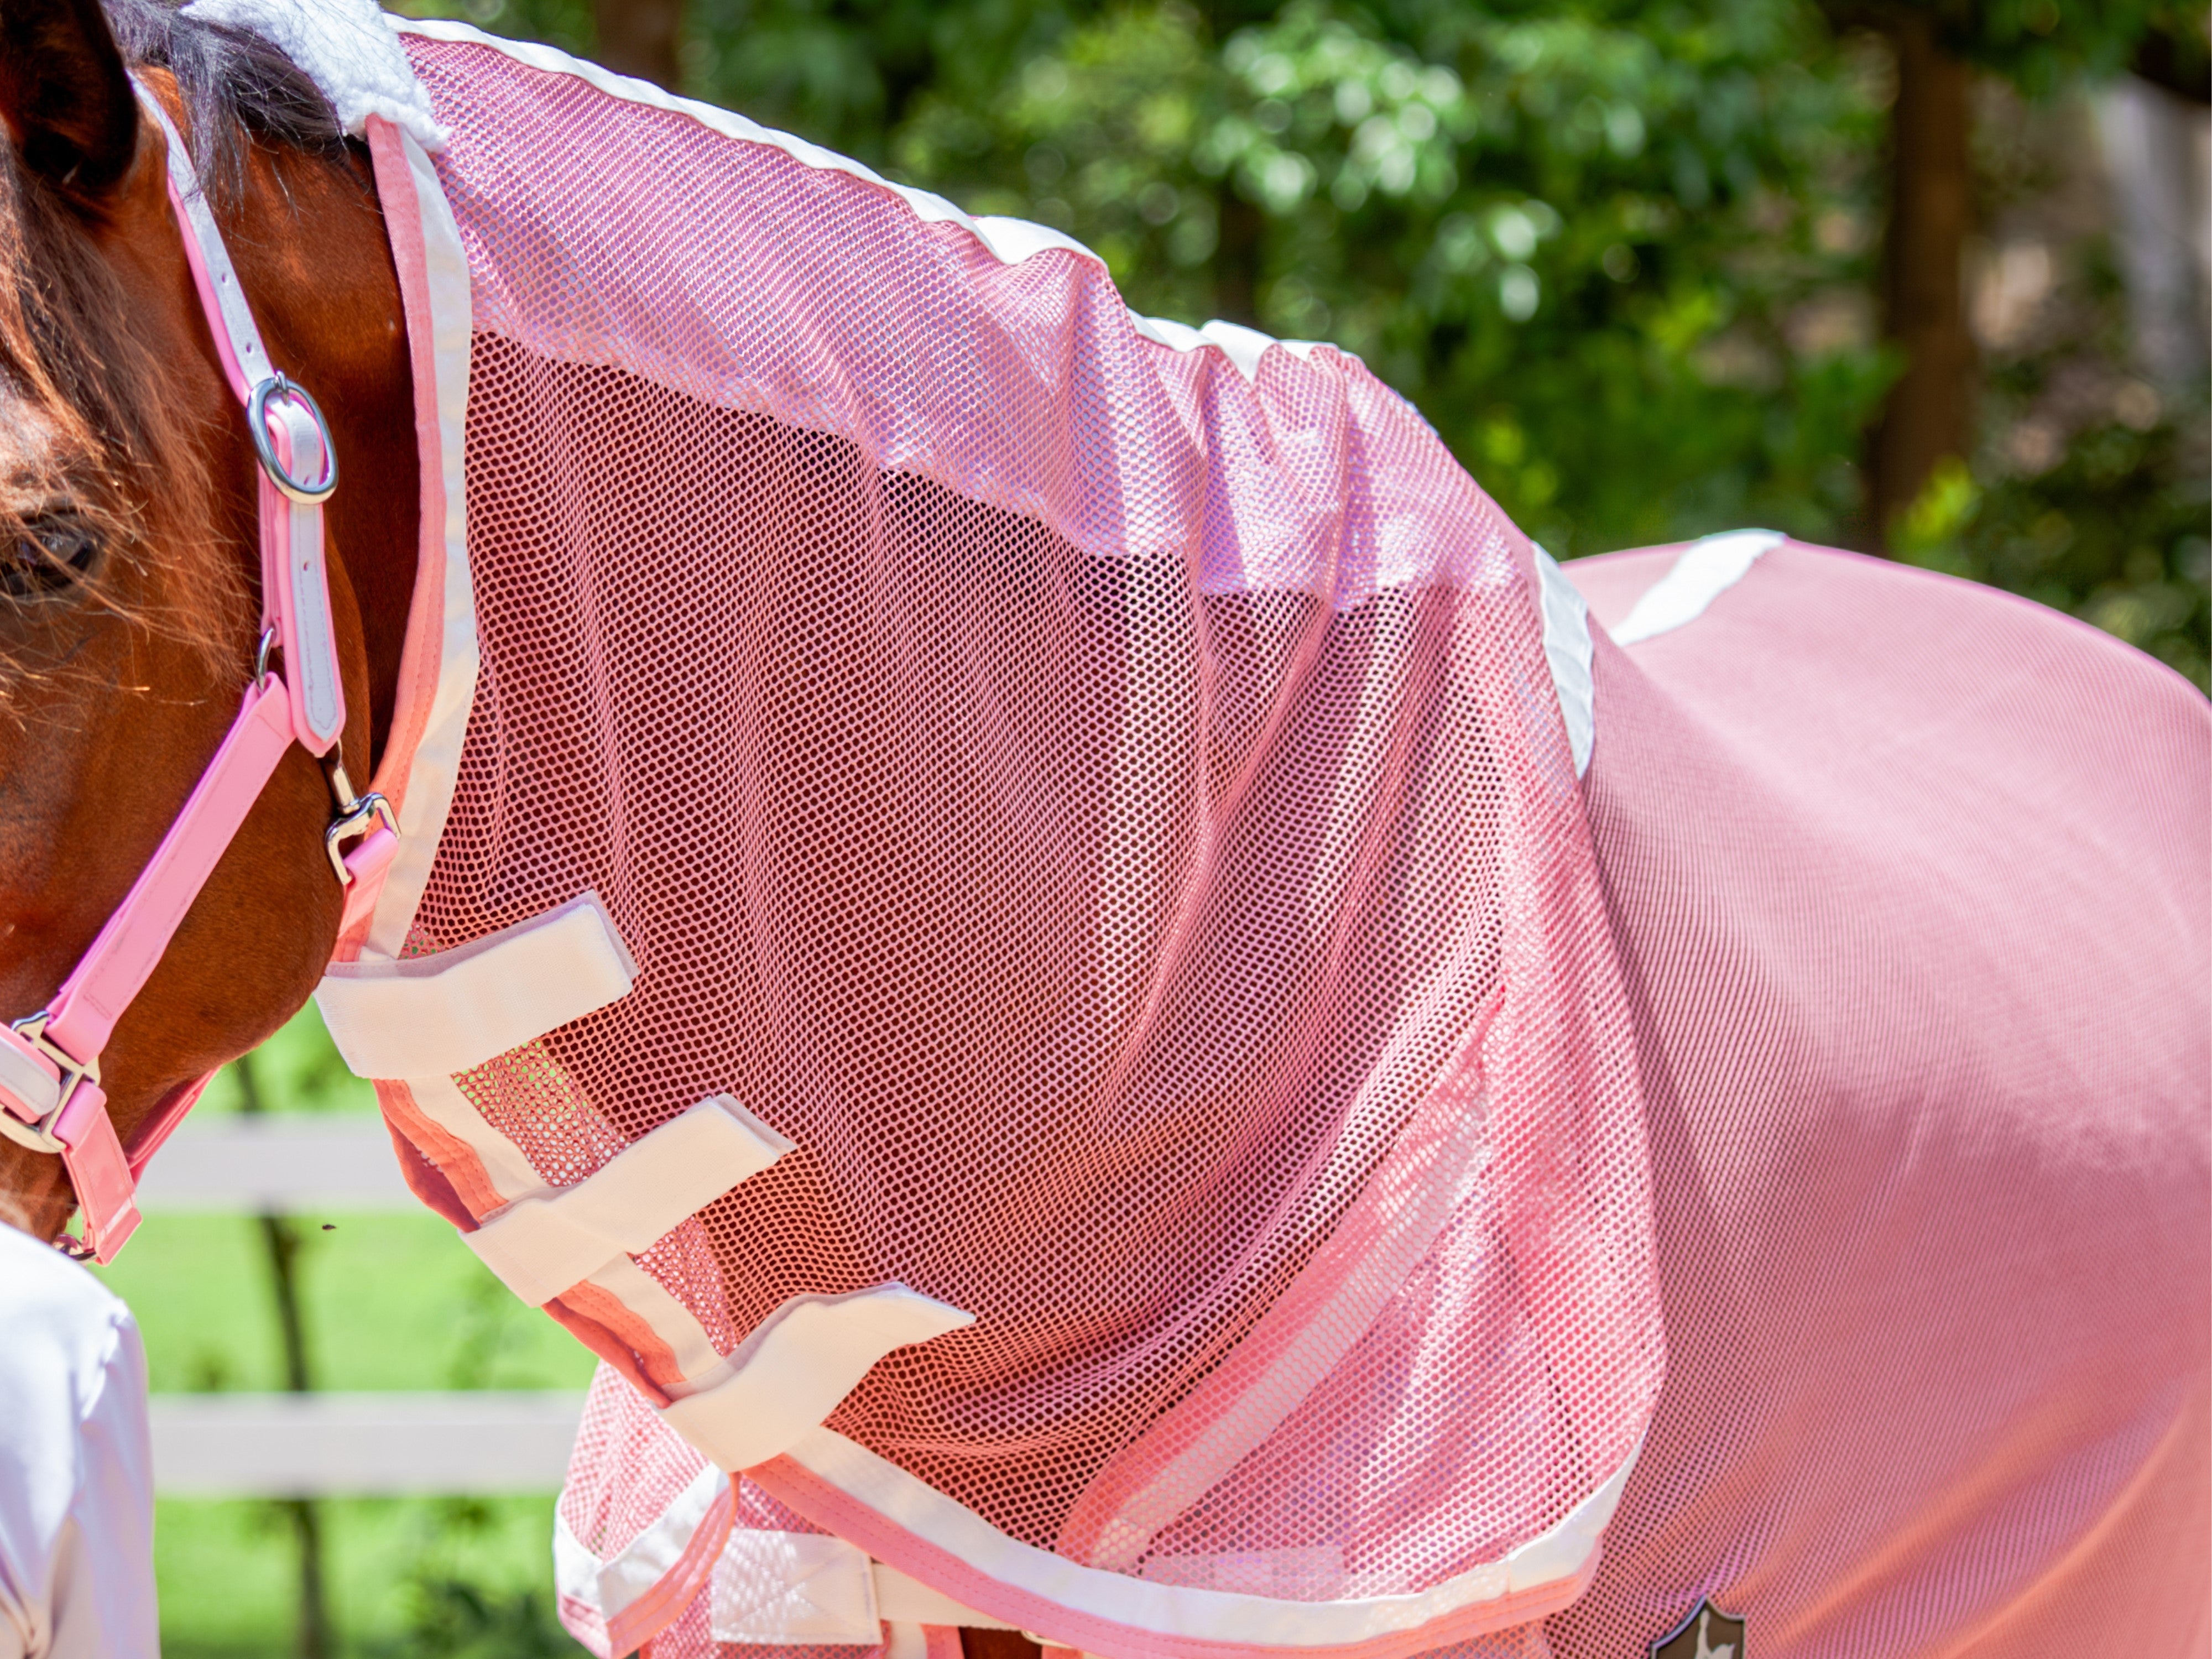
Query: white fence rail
point(317, 1445)
point(284, 1163)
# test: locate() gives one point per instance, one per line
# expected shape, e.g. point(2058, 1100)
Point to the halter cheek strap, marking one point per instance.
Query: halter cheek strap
point(51, 1097)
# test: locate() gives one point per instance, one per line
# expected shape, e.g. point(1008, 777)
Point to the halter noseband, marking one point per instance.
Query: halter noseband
point(50, 1098)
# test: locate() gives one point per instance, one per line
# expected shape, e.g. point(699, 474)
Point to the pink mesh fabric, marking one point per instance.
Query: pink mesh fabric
point(1113, 814)
point(626, 1468)
point(1910, 882)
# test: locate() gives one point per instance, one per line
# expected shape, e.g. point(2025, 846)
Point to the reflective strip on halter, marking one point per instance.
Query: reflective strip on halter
point(294, 588)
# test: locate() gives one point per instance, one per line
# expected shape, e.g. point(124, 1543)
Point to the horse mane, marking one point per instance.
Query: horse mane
point(236, 87)
point(126, 457)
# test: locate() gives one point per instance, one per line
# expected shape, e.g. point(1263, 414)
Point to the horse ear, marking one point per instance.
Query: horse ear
point(65, 94)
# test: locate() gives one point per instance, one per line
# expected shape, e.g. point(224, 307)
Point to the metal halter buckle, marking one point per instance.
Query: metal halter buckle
point(40, 1136)
point(357, 816)
point(257, 424)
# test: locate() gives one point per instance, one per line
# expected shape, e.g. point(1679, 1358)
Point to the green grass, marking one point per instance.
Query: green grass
point(390, 1302)
point(228, 1584)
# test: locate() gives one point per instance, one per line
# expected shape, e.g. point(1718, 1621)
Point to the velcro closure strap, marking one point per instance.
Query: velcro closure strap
point(791, 1372)
point(541, 1245)
point(790, 1588)
point(436, 1015)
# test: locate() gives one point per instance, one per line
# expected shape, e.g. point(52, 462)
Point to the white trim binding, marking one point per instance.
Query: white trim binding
point(434, 768)
point(1172, 1610)
point(1705, 569)
point(1567, 649)
point(433, 1016)
point(542, 1244)
point(789, 1373)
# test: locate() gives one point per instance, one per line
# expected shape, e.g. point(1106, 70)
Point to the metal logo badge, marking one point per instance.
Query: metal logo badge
point(1707, 1634)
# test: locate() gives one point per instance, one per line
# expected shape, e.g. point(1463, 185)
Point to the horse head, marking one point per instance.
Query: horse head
point(128, 564)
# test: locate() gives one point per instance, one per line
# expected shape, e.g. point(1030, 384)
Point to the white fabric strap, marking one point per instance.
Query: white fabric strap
point(1705, 570)
point(793, 1587)
point(791, 1372)
point(908, 1601)
point(1567, 650)
point(1182, 1612)
point(542, 1244)
point(433, 1016)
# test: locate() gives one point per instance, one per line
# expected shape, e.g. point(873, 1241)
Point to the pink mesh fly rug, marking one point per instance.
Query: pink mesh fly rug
point(999, 908)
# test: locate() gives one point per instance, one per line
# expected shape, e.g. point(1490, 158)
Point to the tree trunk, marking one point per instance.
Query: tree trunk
point(281, 1240)
point(1236, 257)
point(640, 38)
point(1930, 412)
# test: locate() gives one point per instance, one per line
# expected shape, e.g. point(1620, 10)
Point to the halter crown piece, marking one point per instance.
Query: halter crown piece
point(50, 1098)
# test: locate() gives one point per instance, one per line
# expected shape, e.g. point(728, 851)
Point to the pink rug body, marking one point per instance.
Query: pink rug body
point(1910, 882)
point(1113, 813)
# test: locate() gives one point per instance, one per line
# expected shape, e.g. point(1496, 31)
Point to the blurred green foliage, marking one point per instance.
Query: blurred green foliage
point(411, 1578)
point(1578, 244)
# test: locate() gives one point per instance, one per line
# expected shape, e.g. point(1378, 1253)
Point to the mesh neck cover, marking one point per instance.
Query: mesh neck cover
point(1097, 789)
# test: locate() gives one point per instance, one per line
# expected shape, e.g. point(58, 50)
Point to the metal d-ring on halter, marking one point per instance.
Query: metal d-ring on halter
point(258, 427)
point(51, 1097)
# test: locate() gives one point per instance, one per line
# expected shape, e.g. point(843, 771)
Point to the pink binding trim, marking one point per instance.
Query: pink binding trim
point(661, 1606)
point(816, 1498)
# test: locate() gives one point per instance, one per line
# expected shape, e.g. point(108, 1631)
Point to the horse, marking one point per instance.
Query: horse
point(1904, 883)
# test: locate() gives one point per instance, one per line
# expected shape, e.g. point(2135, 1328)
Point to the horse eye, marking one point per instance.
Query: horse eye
point(46, 555)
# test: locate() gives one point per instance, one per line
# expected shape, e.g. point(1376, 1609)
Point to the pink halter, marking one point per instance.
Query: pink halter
point(50, 1083)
